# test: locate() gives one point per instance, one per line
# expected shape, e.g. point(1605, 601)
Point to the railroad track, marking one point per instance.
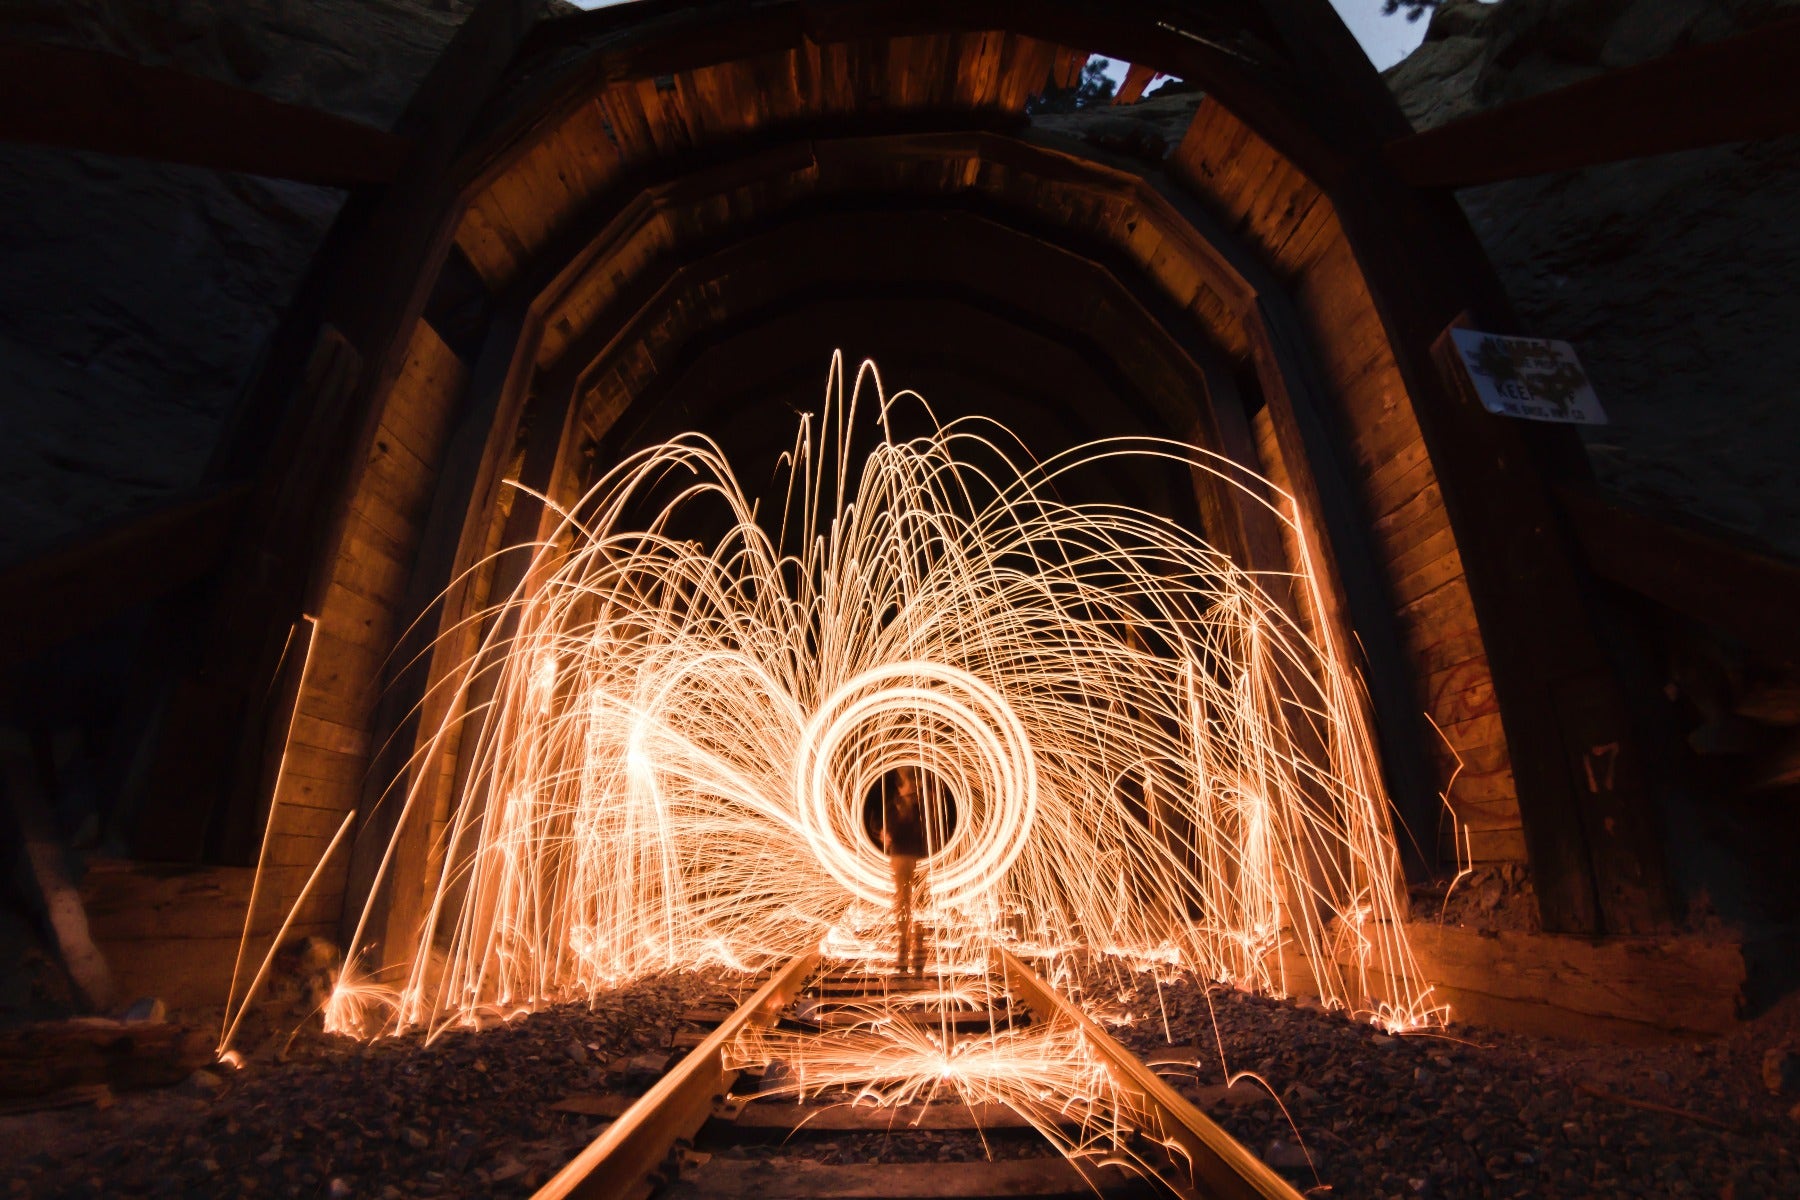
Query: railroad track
point(676, 1142)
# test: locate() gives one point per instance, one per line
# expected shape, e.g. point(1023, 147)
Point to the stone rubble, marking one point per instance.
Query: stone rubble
point(1331, 1102)
point(1465, 1112)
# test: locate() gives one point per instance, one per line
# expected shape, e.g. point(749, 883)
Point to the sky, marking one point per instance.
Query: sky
point(1386, 40)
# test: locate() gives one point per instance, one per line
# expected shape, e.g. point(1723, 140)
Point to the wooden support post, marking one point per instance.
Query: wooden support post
point(86, 100)
point(1734, 90)
point(1581, 764)
point(310, 415)
point(73, 587)
point(1596, 858)
point(399, 792)
point(1703, 573)
point(1137, 78)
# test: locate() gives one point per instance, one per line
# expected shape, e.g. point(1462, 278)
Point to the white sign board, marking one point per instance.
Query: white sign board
point(1533, 378)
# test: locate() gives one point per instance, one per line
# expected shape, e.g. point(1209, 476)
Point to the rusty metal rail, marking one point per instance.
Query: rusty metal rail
point(1206, 1161)
point(616, 1163)
point(1217, 1164)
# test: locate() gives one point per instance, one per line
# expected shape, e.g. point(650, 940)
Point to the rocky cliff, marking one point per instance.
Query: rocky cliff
point(135, 297)
point(1673, 276)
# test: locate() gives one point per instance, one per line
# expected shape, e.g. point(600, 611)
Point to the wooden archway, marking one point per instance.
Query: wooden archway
point(642, 185)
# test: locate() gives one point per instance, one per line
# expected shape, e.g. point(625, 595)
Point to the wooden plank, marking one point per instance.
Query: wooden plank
point(1042, 1178)
point(400, 792)
point(1491, 846)
point(88, 100)
point(1683, 986)
point(1701, 571)
point(194, 973)
point(1737, 89)
point(1484, 788)
point(99, 574)
point(39, 1059)
point(164, 902)
point(1137, 78)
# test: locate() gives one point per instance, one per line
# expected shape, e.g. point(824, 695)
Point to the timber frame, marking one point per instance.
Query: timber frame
point(582, 223)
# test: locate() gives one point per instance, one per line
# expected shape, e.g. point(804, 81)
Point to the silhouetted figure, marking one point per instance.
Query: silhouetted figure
point(903, 840)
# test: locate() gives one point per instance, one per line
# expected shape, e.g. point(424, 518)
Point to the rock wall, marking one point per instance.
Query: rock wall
point(135, 297)
point(1673, 276)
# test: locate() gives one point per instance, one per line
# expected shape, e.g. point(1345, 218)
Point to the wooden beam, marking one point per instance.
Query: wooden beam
point(1597, 861)
point(87, 100)
point(1583, 758)
point(1735, 90)
point(1687, 566)
point(417, 691)
point(1137, 78)
point(303, 428)
point(88, 580)
point(1224, 44)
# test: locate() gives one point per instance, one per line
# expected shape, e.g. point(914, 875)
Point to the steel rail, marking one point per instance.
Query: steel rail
point(1218, 1165)
point(615, 1164)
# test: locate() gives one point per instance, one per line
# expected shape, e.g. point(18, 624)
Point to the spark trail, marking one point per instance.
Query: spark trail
point(1147, 753)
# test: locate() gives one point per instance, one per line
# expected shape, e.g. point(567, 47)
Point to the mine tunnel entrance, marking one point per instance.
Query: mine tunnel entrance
point(1319, 657)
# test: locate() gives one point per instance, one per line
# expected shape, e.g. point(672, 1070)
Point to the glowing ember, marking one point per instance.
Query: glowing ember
point(1147, 755)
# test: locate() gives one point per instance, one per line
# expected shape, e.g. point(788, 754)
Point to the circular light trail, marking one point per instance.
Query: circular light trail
point(946, 721)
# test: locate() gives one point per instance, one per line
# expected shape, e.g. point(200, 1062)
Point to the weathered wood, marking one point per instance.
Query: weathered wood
point(1596, 857)
point(1686, 565)
point(1137, 78)
point(88, 100)
point(343, 343)
point(167, 902)
point(1737, 89)
point(88, 580)
point(452, 499)
point(1045, 1178)
point(36, 1060)
point(1627, 989)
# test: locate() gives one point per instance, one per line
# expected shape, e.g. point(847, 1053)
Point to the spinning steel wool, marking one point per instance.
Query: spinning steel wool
point(1143, 750)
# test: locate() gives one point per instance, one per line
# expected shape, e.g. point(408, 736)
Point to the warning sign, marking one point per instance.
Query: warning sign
point(1534, 378)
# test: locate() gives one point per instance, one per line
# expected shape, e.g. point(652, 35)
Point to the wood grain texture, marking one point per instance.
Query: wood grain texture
point(1737, 89)
point(1272, 205)
point(81, 99)
point(328, 753)
point(1632, 990)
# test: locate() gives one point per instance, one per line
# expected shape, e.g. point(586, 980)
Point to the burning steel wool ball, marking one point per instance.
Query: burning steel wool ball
point(673, 766)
